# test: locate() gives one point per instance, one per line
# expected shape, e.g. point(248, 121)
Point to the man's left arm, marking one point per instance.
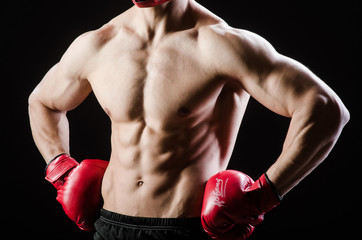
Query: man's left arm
point(290, 89)
point(317, 119)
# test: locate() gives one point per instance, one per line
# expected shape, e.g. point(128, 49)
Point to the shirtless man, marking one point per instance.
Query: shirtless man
point(175, 81)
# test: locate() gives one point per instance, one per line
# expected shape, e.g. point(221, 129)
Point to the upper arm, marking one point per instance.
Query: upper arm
point(276, 81)
point(65, 85)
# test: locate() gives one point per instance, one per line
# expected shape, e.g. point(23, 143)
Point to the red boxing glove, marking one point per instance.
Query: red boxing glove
point(148, 3)
point(78, 187)
point(233, 204)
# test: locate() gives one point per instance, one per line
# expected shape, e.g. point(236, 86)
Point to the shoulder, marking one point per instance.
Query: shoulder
point(82, 53)
point(229, 48)
point(90, 42)
point(83, 50)
point(228, 38)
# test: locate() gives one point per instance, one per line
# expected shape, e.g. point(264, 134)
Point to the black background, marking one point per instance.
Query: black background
point(320, 34)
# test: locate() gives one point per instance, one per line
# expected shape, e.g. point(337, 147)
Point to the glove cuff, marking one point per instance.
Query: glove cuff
point(59, 167)
point(280, 198)
point(46, 168)
point(263, 196)
point(269, 197)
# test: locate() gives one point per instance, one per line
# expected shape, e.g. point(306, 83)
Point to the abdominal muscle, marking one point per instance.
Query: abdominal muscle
point(159, 174)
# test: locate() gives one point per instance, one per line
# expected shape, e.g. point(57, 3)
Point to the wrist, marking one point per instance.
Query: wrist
point(263, 196)
point(52, 160)
point(58, 168)
point(272, 186)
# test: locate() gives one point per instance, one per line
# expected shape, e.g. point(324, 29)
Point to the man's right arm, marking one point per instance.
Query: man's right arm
point(62, 89)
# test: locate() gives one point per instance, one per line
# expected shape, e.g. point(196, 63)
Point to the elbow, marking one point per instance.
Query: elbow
point(337, 112)
point(31, 101)
point(37, 105)
point(332, 111)
point(345, 115)
point(34, 103)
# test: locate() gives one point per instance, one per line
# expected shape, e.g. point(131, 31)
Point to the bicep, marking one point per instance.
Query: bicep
point(65, 85)
point(284, 86)
point(61, 91)
point(276, 81)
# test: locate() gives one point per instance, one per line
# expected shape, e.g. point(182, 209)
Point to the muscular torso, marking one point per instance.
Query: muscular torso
point(174, 120)
point(173, 81)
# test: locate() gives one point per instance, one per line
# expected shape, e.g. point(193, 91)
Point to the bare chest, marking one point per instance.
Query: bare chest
point(162, 84)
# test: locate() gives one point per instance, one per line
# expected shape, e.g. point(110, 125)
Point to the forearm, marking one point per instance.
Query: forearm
point(50, 129)
point(312, 133)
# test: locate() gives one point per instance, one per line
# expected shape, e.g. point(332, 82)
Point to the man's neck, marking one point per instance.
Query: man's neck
point(167, 17)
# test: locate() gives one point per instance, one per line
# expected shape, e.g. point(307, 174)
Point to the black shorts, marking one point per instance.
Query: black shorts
point(114, 226)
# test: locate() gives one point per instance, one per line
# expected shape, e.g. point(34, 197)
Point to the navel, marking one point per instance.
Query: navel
point(139, 183)
point(184, 112)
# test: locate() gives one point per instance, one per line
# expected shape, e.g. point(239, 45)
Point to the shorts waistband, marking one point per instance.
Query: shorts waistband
point(146, 222)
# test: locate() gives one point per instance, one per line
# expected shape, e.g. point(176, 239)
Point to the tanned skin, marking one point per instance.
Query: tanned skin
point(175, 81)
